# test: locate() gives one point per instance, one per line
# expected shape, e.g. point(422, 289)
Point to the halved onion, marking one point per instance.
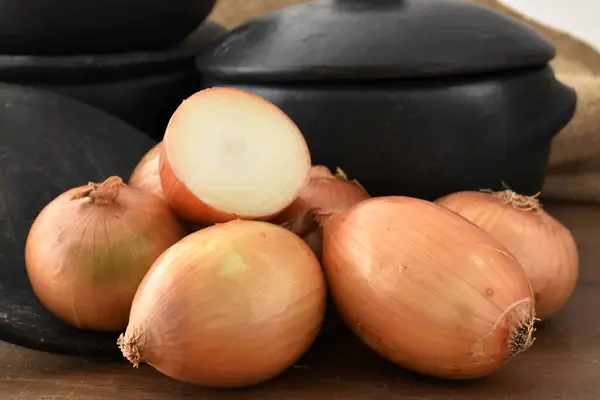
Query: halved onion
point(230, 154)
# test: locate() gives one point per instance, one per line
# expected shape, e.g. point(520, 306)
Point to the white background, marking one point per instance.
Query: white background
point(580, 18)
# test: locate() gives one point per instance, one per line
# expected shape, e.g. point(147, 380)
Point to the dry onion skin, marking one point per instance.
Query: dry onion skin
point(230, 154)
point(426, 289)
point(146, 175)
point(325, 192)
point(320, 171)
point(544, 247)
point(232, 305)
point(89, 249)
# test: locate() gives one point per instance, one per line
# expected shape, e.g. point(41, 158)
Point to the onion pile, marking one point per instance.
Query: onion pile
point(229, 154)
point(426, 289)
point(146, 175)
point(544, 247)
point(324, 193)
point(232, 305)
point(452, 289)
point(89, 249)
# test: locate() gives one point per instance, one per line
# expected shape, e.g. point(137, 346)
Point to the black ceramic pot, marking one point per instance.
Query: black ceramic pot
point(97, 26)
point(141, 88)
point(414, 97)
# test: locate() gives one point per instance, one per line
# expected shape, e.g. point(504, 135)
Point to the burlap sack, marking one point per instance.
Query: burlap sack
point(574, 172)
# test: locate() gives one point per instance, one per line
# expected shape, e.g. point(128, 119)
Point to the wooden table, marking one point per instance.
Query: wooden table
point(564, 363)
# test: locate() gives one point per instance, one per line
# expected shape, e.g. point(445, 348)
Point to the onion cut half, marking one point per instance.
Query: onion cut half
point(230, 154)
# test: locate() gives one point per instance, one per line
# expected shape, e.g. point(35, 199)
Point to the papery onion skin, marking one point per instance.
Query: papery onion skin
point(544, 247)
point(146, 174)
point(426, 289)
point(232, 305)
point(320, 171)
point(325, 192)
point(86, 256)
point(146, 177)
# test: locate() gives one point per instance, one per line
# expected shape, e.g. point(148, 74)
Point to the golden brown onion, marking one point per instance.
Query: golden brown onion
point(89, 249)
point(427, 289)
point(544, 247)
point(228, 306)
point(324, 192)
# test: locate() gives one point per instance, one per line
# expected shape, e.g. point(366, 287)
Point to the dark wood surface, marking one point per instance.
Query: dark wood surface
point(564, 363)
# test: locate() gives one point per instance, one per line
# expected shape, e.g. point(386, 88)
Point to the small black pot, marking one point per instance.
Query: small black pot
point(416, 97)
point(144, 89)
point(97, 26)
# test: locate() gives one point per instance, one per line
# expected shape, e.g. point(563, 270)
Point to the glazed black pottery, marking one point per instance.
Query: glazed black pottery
point(50, 143)
point(142, 88)
point(416, 97)
point(97, 26)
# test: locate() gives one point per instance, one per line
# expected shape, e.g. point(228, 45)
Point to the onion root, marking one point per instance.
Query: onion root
point(130, 346)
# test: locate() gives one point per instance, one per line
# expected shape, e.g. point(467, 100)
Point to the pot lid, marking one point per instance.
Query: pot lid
point(367, 39)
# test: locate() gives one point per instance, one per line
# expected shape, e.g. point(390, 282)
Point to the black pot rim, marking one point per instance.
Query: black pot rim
point(392, 83)
point(44, 67)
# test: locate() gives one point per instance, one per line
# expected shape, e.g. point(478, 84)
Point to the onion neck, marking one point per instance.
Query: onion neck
point(518, 201)
point(102, 194)
point(340, 174)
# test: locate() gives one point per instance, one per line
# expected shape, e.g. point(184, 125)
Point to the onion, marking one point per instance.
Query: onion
point(230, 154)
point(146, 175)
point(229, 306)
point(324, 192)
point(544, 247)
point(89, 249)
point(427, 289)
